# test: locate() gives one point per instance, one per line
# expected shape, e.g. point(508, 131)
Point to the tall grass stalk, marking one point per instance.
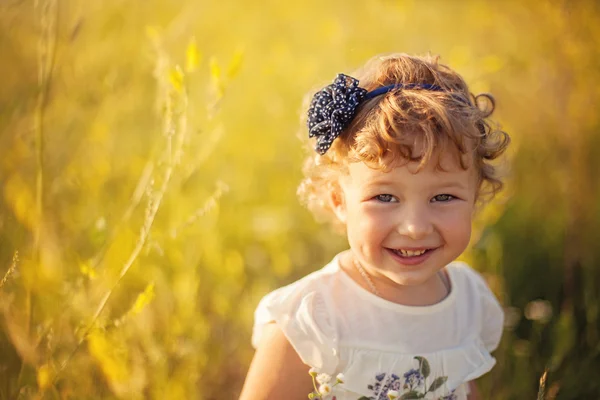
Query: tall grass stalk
point(46, 60)
point(174, 126)
point(136, 198)
point(210, 203)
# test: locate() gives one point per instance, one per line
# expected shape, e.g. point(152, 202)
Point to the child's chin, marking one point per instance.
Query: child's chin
point(414, 278)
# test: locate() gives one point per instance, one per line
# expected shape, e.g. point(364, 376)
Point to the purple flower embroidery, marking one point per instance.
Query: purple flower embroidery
point(413, 379)
point(414, 384)
point(383, 384)
point(451, 396)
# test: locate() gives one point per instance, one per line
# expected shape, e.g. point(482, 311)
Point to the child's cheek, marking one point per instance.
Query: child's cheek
point(375, 221)
point(458, 224)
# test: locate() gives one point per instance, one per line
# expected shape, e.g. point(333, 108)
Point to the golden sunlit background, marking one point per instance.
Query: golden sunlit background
point(149, 161)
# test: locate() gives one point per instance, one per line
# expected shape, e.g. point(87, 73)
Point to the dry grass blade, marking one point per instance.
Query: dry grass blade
point(542, 390)
point(136, 198)
point(11, 270)
point(208, 205)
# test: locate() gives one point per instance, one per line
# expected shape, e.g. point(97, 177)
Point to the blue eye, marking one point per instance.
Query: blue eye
point(385, 198)
point(443, 198)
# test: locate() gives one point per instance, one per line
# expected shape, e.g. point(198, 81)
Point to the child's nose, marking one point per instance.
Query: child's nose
point(415, 223)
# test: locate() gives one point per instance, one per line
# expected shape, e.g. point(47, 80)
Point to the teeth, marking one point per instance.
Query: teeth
point(410, 253)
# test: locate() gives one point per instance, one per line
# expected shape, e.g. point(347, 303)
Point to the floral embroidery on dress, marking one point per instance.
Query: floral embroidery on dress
point(383, 385)
point(415, 384)
point(325, 387)
point(387, 386)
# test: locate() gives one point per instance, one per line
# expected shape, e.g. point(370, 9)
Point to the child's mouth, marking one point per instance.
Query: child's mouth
point(409, 253)
point(411, 256)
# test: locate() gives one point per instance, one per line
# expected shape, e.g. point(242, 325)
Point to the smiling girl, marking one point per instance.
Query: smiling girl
point(403, 154)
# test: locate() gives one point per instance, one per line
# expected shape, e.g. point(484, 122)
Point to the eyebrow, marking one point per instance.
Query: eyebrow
point(452, 185)
point(443, 185)
point(379, 183)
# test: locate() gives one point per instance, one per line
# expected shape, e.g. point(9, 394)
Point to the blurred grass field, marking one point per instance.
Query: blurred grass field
point(149, 161)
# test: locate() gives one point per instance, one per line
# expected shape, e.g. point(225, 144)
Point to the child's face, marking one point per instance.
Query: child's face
point(392, 217)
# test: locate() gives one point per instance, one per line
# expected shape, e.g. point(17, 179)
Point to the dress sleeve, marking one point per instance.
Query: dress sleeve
point(303, 316)
point(492, 320)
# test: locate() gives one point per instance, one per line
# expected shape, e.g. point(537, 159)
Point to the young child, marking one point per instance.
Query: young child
point(402, 159)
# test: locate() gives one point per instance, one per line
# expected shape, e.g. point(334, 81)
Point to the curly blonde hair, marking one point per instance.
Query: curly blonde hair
point(393, 127)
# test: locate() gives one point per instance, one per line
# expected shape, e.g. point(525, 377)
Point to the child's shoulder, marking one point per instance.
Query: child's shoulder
point(464, 275)
point(302, 310)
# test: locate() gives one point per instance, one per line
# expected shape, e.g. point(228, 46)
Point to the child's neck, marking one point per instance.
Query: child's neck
point(431, 292)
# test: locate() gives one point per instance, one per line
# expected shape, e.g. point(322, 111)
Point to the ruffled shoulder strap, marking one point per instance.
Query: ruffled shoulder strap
point(492, 314)
point(301, 311)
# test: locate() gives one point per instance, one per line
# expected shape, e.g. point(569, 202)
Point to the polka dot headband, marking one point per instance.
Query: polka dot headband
point(333, 107)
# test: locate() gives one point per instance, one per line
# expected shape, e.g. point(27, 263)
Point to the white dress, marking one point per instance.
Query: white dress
point(337, 326)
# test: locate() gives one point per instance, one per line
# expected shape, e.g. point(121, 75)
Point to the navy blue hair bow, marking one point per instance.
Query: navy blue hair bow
point(333, 107)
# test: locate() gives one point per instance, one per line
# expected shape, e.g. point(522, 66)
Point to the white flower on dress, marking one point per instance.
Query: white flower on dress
point(325, 389)
point(323, 378)
point(393, 394)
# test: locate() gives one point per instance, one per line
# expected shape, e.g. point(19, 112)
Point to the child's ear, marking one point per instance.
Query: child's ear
point(337, 202)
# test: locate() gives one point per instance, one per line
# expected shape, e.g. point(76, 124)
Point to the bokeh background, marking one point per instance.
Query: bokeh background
point(149, 160)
